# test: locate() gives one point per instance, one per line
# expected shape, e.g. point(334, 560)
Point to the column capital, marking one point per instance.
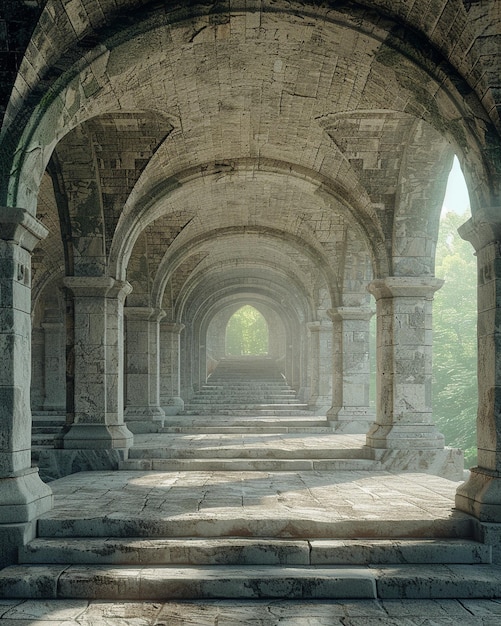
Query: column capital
point(351, 313)
point(172, 327)
point(319, 325)
point(21, 227)
point(145, 313)
point(120, 289)
point(404, 286)
point(98, 286)
point(483, 228)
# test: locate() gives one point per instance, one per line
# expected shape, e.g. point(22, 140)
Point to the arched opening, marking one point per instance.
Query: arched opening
point(247, 333)
point(455, 393)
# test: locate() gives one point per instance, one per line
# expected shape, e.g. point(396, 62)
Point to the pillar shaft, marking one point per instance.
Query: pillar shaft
point(404, 351)
point(98, 353)
point(23, 496)
point(350, 411)
point(143, 410)
point(481, 494)
point(54, 366)
point(321, 365)
point(170, 368)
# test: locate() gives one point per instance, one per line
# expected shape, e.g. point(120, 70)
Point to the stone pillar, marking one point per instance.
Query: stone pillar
point(350, 412)
point(170, 368)
point(481, 494)
point(404, 351)
point(320, 365)
point(54, 367)
point(37, 369)
point(143, 412)
point(98, 353)
point(23, 496)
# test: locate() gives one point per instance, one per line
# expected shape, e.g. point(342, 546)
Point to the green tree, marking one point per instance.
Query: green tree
point(247, 332)
point(455, 339)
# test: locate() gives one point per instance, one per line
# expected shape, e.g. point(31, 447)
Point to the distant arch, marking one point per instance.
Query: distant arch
point(247, 333)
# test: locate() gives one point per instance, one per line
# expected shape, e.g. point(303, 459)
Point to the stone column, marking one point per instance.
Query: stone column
point(23, 496)
point(350, 412)
point(481, 494)
point(404, 351)
point(170, 368)
point(98, 353)
point(321, 365)
point(54, 367)
point(143, 412)
point(37, 369)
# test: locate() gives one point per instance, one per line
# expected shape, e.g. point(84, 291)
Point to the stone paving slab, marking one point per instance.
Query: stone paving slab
point(252, 613)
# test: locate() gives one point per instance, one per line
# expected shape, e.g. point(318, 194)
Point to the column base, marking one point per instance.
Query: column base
point(405, 437)
point(24, 497)
point(97, 436)
point(320, 405)
point(144, 419)
point(480, 495)
point(173, 406)
point(54, 464)
point(447, 463)
point(352, 421)
point(13, 537)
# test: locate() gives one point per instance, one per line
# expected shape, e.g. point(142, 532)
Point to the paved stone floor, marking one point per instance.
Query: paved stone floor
point(320, 504)
point(337, 500)
point(255, 613)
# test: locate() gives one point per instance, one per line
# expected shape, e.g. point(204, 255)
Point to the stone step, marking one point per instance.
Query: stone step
point(247, 465)
point(250, 421)
point(242, 430)
point(41, 441)
point(217, 391)
point(167, 583)
point(205, 525)
point(105, 582)
point(252, 551)
point(45, 430)
point(244, 401)
point(262, 450)
point(254, 406)
point(237, 411)
point(265, 383)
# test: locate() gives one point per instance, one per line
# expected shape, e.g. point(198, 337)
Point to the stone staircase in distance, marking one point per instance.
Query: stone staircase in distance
point(246, 386)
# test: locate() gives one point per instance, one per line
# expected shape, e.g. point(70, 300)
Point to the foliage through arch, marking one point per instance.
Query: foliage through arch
point(247, 333)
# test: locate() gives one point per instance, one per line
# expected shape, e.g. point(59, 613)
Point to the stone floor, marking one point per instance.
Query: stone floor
point(255, 613)
point(321, 504)
point(265, 503)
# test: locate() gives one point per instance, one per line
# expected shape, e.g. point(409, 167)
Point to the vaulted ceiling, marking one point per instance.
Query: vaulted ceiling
point(188, 146)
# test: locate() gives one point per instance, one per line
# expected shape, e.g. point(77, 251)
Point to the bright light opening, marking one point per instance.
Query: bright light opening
point(246, 333)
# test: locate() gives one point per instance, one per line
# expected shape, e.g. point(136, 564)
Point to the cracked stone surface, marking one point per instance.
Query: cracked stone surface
point(316, 496)
point(231, 613)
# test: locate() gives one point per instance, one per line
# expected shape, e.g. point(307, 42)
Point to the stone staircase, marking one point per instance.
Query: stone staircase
point(278, 444)
point(159, 568)
point(246, 386)
point(245, 508)
point(45, 426)
point(136, 559)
